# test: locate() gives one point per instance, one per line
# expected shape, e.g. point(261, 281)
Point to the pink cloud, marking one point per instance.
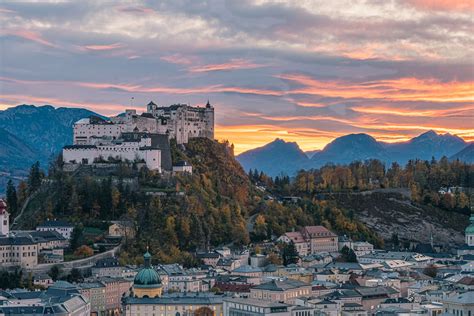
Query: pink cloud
point(3, 10)
point(179, 59)
point(135, 9)
point(233, 64)
point(102, 47)
point(29, 35)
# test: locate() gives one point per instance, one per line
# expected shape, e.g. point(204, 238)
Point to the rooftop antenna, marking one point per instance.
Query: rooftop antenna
point(131, 101)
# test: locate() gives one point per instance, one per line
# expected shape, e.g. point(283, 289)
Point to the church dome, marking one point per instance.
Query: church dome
point(147, 277)
point(470, 228)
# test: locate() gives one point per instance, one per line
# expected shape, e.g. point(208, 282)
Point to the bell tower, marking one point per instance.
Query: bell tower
point(4, 218)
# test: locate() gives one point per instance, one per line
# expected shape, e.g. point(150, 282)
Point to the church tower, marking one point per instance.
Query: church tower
point(147, 282)
point(4, 218)
point(470, 232)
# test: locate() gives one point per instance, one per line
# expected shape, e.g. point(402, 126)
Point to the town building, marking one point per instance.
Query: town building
point(254, 307)
point(183, 167)
point(312, 240)
point(280, 290)
point(107, 267)
point(95, 293)
point(461, 304)
point(19, 251)
point(60, 299)
point(62, 227)
point(185, 304)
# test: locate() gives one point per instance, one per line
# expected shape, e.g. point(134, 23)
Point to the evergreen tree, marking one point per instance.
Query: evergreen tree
point(348, 255)
point(54, 272)
point(12, 199)
point(35, 177)
point(290, 254)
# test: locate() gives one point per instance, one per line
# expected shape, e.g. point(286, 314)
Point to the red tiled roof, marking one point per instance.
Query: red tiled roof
point(318, 231)
point(466, 281)
point(295, 236)
point(3, 206)
point(229, 287)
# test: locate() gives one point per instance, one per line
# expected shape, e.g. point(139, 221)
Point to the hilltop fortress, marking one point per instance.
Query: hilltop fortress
point(136, 137)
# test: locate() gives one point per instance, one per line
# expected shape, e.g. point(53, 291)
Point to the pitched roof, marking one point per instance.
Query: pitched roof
point(296, 237)
point(56, 223)
point(318, 231)
point(281, 285)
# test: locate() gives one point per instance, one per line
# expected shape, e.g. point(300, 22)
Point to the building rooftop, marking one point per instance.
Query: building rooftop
point(254, 302)
point(55, 223)
point(182, 299)
point(281, 285)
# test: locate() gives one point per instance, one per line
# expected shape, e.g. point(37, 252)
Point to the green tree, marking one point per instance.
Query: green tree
point(289, 254)
point(75, 276)
point(12, 198)
point(77, 237)
point(348, 255)
point(54, 272)
point(35, 177)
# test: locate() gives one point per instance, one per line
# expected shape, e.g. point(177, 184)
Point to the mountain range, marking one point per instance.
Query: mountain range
point(31, 133)
point(280, 157)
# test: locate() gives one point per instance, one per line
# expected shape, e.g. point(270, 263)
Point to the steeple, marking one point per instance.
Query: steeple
point(147, 258)
point(208, 104)
point(4, 218)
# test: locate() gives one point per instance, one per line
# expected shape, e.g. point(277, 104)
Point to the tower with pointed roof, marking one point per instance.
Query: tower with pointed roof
point(470, 232)
point(147, 282)
point(4, 218)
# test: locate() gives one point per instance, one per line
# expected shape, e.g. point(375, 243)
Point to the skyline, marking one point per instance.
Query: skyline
point(306, 72)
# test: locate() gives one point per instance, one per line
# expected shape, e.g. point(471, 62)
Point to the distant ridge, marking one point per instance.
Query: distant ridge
point(285, 157)
point(278, 157)
point(466, 155)
point(30, 133)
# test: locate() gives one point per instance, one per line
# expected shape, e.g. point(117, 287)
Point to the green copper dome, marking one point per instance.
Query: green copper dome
point(470, 228)
point(147, 277)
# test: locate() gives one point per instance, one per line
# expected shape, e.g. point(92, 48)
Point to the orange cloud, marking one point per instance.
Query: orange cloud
point(102, 47)
point(402, 89)
point(410, 112)
point(29, 35)
point(246, 137)
point(171, 90)
point(443, 5)
point(233, 64)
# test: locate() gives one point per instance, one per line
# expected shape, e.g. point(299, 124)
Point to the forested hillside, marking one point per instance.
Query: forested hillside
point(176, 215)
point(407, 200)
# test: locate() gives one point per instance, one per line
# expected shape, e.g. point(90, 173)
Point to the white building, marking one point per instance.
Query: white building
point(362, 247)
point(183, 122)
point(183, 166)
point(138, 150)
point(460, 304)
point(62, 227)
point(4, 218)
point(88, 131)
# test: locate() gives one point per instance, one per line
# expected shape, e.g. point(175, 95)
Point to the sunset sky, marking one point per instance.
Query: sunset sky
point(305, 71)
